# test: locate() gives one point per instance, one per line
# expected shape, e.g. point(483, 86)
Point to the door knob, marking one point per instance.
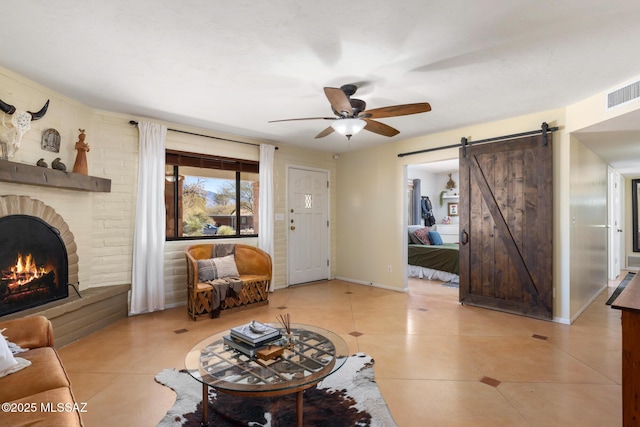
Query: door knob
point(293, 227)
point(464, 237)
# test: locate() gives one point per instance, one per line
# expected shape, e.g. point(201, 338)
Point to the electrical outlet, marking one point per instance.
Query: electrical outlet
point(388, 269)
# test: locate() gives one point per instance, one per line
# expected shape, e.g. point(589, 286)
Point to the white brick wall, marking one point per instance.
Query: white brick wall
point(114, 212)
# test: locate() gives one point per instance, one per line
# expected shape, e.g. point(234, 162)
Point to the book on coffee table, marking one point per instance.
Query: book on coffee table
point(255, 333)
point(241, 346)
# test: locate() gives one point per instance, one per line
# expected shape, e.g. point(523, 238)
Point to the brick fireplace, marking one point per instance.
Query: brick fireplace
point(38, 256)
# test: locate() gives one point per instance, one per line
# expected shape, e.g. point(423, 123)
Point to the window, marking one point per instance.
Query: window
point(210, 196)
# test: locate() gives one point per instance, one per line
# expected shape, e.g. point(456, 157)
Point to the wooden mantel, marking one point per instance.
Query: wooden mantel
point(19, 173)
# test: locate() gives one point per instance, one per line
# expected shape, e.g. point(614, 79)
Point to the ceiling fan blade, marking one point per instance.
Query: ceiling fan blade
point(305, 118)
point(380, 128)
point(399, 110)
point(324, 133)
point(339, 101)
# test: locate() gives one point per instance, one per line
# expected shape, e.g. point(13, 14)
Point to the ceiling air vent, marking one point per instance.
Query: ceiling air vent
point(623, 95)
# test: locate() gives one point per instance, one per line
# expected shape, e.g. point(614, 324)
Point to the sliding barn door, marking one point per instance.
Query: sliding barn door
point(506, 226)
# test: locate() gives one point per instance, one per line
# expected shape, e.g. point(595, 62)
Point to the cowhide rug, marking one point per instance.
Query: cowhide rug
point(348, 397)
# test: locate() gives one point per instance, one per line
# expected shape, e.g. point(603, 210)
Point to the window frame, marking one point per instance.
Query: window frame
point(177, 158)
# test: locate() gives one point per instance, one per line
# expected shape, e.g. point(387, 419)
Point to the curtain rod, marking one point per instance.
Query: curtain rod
point(133, 122)
point(543, 130)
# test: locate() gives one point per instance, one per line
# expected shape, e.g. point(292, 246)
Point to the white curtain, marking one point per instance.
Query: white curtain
point(265, 211)
point(147, 283)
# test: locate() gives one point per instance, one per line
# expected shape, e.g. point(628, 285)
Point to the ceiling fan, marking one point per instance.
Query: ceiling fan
point(352, 115)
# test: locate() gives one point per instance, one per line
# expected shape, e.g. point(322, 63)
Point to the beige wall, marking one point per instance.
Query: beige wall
point(370, 216)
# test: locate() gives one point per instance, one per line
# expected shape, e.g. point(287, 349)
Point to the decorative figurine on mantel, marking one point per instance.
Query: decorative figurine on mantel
point(80, 166)
point(58, 165)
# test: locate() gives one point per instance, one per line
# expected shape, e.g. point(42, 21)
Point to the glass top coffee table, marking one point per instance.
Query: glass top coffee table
point(315, 354)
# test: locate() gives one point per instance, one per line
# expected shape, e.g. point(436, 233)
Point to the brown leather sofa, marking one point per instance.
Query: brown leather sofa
point(40, 394)
point(254, 266)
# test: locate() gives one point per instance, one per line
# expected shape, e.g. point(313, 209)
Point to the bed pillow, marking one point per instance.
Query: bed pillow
point(423, 236)
point(413, 239)
point(435, 238)
point(217, 268)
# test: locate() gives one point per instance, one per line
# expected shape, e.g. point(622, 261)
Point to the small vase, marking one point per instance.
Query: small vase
point(289, 341)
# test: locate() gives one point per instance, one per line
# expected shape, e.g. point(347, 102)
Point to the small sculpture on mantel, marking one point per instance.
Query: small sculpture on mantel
point(58, 165)
point(80, 166)
point(42, 163)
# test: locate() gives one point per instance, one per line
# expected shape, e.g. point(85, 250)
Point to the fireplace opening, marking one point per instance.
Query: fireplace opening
point(33, 263)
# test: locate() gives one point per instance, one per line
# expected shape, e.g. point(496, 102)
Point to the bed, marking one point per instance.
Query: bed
point(433, 262)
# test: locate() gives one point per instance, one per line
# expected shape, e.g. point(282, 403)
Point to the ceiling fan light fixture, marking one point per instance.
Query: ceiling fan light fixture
point(348, 127)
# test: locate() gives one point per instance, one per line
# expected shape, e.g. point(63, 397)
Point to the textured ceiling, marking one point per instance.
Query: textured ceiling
point(234, 66)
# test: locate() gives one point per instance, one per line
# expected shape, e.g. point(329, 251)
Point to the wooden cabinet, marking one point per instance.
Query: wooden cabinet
point(629, 303)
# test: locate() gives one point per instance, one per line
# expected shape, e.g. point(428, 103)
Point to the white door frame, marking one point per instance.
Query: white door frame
point(288, 211)
point(615, 223)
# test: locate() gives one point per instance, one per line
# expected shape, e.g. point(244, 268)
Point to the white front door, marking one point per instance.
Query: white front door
point(615, 223)
point(308, 225)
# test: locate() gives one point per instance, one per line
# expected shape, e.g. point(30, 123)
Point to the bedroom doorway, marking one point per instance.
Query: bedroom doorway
point(506, 226)
point(307, 225)
point(425, 259)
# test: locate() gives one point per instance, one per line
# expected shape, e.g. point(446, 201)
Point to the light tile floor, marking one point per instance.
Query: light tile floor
point(438, 363)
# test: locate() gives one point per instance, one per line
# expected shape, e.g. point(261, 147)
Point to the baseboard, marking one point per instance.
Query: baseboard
point(562, 320)
point(372, 284)
point(584, 307)
point(175, 304)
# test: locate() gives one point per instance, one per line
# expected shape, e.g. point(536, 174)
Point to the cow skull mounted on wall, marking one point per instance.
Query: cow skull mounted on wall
point(21, 123)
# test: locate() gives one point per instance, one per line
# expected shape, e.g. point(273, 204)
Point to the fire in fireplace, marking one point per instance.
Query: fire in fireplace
point(27, 273)
point(33, 263)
